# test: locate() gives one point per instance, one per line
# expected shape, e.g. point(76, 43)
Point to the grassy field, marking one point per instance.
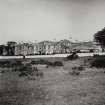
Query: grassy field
point(57, 86)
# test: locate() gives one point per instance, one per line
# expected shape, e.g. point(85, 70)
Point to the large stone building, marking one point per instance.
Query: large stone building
point(62, 46)
point(24, 49)
point(50, 47)
point(35, 48)
point(46, 47)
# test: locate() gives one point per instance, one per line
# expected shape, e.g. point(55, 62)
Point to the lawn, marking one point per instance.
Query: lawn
point(56, 87)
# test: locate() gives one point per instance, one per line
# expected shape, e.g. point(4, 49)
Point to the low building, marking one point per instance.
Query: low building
point(85, 47)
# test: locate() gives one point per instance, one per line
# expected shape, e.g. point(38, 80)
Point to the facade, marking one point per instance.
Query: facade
point(63, 46)
point(35, 48)
point(57, 48)
point(46, 47)
point(24, 49)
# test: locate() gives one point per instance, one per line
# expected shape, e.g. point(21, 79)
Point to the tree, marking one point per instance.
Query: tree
point(11, 43)
point(11, 47)
point(2, 49)
point(99, 37)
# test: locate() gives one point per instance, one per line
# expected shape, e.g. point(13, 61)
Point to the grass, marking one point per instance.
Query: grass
point(56, 87)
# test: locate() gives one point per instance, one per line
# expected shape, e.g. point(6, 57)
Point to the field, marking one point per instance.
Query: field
point(57, 86)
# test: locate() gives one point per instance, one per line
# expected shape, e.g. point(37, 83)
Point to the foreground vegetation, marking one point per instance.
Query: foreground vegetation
point(52, 81)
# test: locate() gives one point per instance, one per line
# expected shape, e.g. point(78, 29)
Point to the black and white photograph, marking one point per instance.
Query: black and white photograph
point(52, 52)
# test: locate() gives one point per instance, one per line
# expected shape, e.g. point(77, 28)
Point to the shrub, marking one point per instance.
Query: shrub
point(47, 66)
point(73, 56)
point(57, 63)
point(98, 62)
point(41, 61)
point(30, 71)
point(74, 72)
point(74, 68)
point(2, 71)
point(33, 62)
point(79, 68)
point(95, 55)
point(16, 63)
point(9, 64)
point(4, 64)
point(23, 74)
point(26, 70)
point(98, 56)
point(48, 63)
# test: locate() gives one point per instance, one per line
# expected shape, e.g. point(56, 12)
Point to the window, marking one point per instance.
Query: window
point(20, 48)
point(48, 46)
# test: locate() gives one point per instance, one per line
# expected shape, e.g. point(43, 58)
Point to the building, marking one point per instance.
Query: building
point(43, 48)
point(36, 48)
point(62, 46)
point(24, 49)
point(85, 47)
point(46, 47)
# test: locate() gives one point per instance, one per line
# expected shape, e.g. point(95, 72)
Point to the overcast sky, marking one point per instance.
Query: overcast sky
point(31, 20)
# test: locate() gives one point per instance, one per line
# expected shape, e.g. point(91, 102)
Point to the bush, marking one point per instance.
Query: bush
point(57, 63)
point(74, 72)
point(2, 71)
point(73, 56)
point(95, 55)
point(26, 70)
point(98, 56)
point(4, 64)
point(47, 66)
point(41, 61)
point(79, 68)
point(30, 71)
point(23, 74)
point(9, 64)
point(98, 62)
point(48, 63)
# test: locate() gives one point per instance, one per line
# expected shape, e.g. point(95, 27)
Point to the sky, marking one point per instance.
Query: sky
point(37, 20)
